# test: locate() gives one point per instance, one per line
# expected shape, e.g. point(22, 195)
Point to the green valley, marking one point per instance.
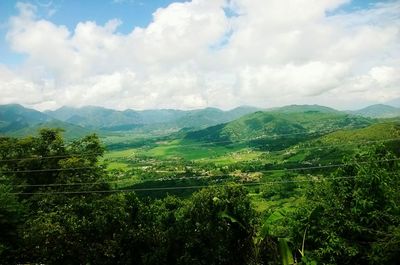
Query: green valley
point(258, 174)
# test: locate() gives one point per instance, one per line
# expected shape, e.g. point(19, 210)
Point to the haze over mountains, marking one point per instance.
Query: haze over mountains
point(108, 119)
point(18, 120)
point(394, 102)
point(378, 111)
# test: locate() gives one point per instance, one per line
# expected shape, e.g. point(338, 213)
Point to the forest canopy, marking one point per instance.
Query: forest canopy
point(57, 207)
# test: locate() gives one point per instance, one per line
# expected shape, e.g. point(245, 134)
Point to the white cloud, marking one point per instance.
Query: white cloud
point(17, 89)
point(195, 54)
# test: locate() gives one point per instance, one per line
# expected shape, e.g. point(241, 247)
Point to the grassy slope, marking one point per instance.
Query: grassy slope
point(272, 123)
point(332, 147)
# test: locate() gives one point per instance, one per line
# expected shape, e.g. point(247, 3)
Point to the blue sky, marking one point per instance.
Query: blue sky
point(196, 53)
point(132, 13)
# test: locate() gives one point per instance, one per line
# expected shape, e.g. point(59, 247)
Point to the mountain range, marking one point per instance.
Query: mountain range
point(19, 121)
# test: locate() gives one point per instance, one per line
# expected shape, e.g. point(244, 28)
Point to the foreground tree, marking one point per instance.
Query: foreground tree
point(354, 218)
point(217, 227)
point(11, 216)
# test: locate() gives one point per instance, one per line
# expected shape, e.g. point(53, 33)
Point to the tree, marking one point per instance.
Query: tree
point(84, 229)
point(11, 217)
point(216, 227)
point(354, 218)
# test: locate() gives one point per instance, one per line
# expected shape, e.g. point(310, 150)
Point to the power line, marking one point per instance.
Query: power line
point(200, 144)
point(330, 146)
point(202, 176)
point(71, 184)
point(46, 170)
point(180, 187)
point(48, 157)
point(261, 137)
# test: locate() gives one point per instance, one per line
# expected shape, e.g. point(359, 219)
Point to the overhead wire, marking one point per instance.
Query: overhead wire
point(203, 176)
point(45, 170)
point(264, 136)
point(182, 178)
point(49, 157)
point(261, 137)
point(278, 151)
point(182, 187)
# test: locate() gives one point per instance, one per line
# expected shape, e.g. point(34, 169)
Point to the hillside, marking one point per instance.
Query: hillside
point(378, 111)
point(14, 117)
point(275, 123)
point(332, 147)
point(69, 131)
point(16, 120)
point(378, 131)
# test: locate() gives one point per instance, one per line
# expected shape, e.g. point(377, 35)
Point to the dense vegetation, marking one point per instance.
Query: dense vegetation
point(294, 185)
point(60, 205)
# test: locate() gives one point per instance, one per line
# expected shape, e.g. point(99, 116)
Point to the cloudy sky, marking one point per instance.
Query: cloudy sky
point(145, 54)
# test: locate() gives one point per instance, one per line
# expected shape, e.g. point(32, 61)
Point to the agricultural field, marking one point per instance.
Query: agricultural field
point(184, 161)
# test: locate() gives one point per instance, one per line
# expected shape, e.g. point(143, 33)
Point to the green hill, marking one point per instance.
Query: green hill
point(379, 131)
point(15, 117)
point(16, 120)
point(70, 131)
point(275, 123)
point(332, 147)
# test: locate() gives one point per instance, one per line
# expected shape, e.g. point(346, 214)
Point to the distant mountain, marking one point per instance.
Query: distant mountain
point(14, 117)
point(211, 116)
point(286, 123)
point(112, 120)
point(158, 116)
point(95, 117)
point(16, 120)
point(305, 108)
point(378, 111)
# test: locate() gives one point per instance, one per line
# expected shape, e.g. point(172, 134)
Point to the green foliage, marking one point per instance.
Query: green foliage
point(217, 225)
point(11, 216)
point(286, 253)
point(75, 230)
point(351, 217)
point(283, 188)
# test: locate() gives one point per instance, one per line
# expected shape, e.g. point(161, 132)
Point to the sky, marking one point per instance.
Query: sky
point(152, 54)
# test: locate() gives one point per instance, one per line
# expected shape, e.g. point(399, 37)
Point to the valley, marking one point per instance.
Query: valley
point(276, 157)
